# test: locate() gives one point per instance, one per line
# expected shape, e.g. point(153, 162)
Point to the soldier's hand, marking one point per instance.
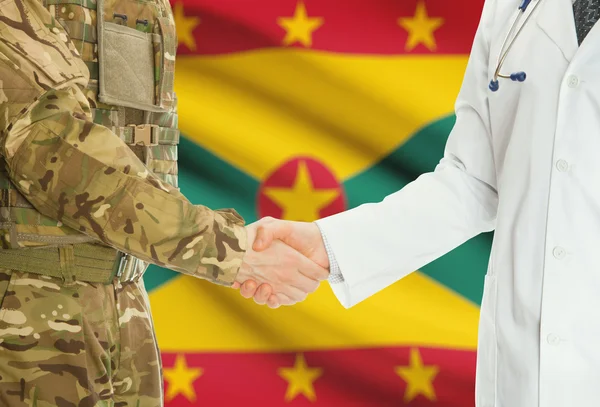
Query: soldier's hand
point(303, 236)
point(286, 275)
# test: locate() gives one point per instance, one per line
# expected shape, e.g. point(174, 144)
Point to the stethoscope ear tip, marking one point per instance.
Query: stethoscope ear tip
point(494, 85)
point(518, 76)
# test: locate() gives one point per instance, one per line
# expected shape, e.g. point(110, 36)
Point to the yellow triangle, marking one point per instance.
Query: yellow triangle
point(414, 311)
point(347, 111)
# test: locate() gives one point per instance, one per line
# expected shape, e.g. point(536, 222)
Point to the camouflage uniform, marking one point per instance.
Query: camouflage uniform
point(89, 197)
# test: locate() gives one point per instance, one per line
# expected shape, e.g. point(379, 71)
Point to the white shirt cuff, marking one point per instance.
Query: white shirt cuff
point(335, 273)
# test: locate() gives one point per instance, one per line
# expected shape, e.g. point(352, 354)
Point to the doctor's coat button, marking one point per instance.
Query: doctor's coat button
point(559, 253)
point(553, 339)
point(572, 81)
point(562, 165)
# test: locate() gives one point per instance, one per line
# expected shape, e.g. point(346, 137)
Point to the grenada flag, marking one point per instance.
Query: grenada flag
point(300, 109)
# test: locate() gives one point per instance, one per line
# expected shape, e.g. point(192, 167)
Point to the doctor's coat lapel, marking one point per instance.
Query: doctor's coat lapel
point(555, 18)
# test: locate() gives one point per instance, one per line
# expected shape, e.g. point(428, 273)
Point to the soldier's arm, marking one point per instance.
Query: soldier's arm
point(82, 174)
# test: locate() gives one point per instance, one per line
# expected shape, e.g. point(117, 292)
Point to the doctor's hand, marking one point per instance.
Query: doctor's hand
point(286, 276)
point(304, 237)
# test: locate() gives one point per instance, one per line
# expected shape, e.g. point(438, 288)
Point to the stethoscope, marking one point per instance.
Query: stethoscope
point(515, 76)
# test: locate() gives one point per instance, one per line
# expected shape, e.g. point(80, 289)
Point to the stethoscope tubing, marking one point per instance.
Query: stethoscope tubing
point(504, 53)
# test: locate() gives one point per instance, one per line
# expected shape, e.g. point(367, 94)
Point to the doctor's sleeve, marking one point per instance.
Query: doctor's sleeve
point(377, 244)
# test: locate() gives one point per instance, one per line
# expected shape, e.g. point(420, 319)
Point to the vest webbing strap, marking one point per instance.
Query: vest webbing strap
point(159, 135)
point(83, 262)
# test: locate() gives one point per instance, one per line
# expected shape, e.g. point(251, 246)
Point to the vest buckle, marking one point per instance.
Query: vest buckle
point(126, 268)
point(144, 134)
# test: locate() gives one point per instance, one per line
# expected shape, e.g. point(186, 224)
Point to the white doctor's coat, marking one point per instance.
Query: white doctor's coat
point(524, 161)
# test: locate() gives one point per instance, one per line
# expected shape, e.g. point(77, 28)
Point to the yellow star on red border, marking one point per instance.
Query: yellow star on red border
point(300, 379)
point(181, 380)
point(185, 27)
point(418, 377)
point(300, 27)
point(421, 28)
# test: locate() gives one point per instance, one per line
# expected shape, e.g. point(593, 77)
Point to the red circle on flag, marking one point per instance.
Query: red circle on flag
point(302, 189)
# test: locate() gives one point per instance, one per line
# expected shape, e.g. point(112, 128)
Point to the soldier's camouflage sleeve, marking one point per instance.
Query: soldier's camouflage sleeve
point(82, 174)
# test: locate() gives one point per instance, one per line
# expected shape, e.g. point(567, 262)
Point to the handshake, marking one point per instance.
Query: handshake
point(284, 262)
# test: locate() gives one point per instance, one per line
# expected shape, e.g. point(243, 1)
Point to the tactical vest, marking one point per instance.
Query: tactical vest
point(129, 48)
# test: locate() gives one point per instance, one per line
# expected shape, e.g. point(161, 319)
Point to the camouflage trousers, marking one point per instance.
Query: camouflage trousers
point(76, 345)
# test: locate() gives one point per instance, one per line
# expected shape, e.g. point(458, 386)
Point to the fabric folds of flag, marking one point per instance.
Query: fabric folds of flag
point(299, 110)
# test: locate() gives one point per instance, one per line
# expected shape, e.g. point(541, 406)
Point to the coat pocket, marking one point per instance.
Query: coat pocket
point(485, 386)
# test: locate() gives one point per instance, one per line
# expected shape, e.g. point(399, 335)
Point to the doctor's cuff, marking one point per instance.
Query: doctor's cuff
point(335, 273)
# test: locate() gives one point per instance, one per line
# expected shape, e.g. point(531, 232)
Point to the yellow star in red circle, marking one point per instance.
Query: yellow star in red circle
point(301, 201)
